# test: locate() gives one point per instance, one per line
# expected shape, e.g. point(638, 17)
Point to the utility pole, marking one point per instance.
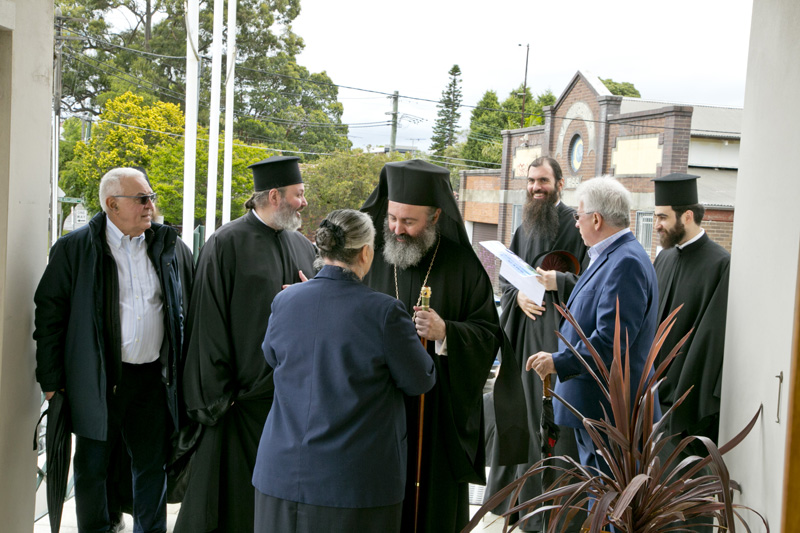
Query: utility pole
point(54, 211)
point(393, 142)
point(524, 85)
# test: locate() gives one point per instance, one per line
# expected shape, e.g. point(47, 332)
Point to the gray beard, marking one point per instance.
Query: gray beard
point(409, 252)
point(540, 217)
point(286, 218)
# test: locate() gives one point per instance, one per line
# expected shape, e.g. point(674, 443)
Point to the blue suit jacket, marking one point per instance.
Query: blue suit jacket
point(623, 271)
point(343, 355)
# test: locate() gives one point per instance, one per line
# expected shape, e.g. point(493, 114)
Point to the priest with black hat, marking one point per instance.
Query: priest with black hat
point(227, 383)
point(692, 271)
point(549, 241)
point(421, 241)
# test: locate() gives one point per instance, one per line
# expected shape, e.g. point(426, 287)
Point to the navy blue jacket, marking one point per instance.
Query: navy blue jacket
point(343, 356)
point(623, 271)
point(74, 347)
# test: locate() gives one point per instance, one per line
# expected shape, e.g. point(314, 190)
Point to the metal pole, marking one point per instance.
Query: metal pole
point(213, 129)
point(230, 67)
point(54, 207)
point(524, 86)
point(190, 147)
point(393, 142)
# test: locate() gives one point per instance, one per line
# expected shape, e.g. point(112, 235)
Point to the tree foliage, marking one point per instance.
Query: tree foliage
point(342, 180)
point(621, 88)
point(277, 101)
point(130, 132)
point(484, 143)
point(445, 128)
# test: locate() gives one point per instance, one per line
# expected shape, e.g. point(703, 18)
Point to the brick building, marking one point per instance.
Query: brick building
point(591, 133)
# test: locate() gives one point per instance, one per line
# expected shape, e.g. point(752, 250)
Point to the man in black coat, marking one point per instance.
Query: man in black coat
point(421, 240)
point(109, 336)
point(692, 271)
point(548, 226)
point(228, 384)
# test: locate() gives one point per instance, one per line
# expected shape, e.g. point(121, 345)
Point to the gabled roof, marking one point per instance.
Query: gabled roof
point(591, 80)
point(707, 121)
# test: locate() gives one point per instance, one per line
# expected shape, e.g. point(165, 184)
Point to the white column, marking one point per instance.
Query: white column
point(26, 92)
point(190, 138)
point(763, 292)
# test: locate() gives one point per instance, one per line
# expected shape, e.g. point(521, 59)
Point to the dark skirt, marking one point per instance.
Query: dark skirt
point(275, 514)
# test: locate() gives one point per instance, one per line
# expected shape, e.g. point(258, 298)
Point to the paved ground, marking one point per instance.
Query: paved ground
point(69, 523)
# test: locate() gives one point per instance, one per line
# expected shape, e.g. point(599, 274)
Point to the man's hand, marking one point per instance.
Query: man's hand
point(302, 279)
point(547, 278)
point(429, 324)
point(542, 363)
point(49, 395)
point(528, 307)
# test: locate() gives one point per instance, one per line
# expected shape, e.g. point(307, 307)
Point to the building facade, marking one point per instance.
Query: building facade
point(591, 132)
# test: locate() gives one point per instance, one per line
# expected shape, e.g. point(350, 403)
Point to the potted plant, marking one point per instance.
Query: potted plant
point(654, 485)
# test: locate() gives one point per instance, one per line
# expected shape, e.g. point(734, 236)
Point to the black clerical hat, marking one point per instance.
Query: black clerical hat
point(414, 182)
point(417, 182)
point(276, 171)
point(676, 189)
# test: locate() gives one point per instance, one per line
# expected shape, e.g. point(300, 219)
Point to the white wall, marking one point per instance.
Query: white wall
point(764, 269)
point(26, 64)
point(713, 153)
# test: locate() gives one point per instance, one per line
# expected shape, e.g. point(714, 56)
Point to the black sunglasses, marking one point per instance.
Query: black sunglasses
point(143, 198)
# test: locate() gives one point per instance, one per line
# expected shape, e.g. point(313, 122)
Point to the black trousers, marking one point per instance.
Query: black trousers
point(137, 412)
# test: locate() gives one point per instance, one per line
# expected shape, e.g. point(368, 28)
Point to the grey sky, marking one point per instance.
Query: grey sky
point(687, 51)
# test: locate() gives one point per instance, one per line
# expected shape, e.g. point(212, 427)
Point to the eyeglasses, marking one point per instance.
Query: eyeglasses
point(143, 198)
point(577, 216)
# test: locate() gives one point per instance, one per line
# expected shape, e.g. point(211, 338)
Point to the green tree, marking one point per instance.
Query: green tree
point(490, 117)
point(130, 132)
point(484, 140)
point(342, 180)
point(444, 130)
point(621, 88)
point(300, 109)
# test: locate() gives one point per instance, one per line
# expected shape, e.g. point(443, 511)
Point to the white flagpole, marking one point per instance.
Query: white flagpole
point(213, 130)
point(192, 11)
point(230, 67)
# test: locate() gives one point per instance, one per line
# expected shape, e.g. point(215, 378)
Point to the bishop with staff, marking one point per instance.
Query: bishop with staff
point(421, 241)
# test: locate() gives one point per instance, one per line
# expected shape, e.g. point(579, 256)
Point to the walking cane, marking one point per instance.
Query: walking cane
point(425, 303)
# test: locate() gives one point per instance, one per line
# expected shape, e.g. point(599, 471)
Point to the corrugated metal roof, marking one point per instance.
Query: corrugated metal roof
point(707, 121)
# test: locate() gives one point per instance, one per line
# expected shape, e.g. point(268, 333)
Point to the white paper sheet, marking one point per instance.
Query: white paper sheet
point(516, 271)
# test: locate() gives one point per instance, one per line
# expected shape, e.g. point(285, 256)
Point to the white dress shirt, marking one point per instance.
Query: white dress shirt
point(141, 306)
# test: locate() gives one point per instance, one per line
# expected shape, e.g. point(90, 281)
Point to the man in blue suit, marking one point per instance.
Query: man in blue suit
point(619, 269)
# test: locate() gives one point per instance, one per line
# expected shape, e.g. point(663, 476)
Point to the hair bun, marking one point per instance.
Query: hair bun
point(336, 234)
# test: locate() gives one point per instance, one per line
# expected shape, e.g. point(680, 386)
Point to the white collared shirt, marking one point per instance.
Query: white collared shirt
point(693, 239)
point(595, 251)
point(141, 306)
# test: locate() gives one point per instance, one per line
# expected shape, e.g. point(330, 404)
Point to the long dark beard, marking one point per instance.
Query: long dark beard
point(674, 236)
point(540, 217)
point(408, 252)
point(286, 217)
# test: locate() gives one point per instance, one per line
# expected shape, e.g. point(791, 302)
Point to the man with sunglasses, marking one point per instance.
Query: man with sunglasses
point(109, 337)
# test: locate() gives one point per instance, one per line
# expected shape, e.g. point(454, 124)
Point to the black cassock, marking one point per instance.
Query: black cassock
point(453, 451)
point(227, 383)
point(696, 277)
point(528, 337)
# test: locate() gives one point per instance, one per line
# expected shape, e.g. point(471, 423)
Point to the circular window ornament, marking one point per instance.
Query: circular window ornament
point(576, 152)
